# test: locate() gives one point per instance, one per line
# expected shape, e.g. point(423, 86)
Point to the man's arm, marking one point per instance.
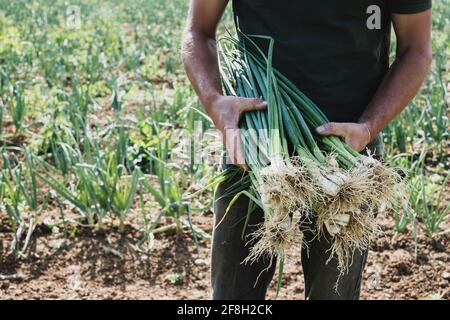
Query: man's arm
point(399, 86)
point(201, 63)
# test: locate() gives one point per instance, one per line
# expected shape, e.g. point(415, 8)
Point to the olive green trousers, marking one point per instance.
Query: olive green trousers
point(231, 279)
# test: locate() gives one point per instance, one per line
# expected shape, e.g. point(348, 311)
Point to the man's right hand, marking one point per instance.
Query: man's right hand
point(226, 112)
point(200, 59)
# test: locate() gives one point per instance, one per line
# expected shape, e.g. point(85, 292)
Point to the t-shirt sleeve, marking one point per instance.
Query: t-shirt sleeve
point(409, 6)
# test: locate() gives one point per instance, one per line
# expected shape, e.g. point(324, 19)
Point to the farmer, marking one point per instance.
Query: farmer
point(337, 53)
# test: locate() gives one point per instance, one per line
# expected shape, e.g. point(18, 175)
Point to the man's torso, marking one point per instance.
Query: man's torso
point(337, 52)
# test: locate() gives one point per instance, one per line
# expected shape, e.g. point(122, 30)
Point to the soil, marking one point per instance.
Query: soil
point(92, 264)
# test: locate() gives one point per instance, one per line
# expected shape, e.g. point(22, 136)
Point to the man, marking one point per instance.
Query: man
point(337, 53)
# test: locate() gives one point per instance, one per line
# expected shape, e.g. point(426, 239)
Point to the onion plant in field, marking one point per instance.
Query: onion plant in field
point(428, 198)
point(98, 182)
point(169, 160)
point(20, 197)
point(170, 193)
point(18, 107)
point(426, 202)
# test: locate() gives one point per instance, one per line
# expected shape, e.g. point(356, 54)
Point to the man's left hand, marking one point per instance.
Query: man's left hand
point(356, 135)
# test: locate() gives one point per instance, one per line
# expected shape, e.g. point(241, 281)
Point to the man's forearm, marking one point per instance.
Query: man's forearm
point(201, 64)
point(398, 88)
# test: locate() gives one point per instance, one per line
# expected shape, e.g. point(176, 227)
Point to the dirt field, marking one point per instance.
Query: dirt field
point(95, 265)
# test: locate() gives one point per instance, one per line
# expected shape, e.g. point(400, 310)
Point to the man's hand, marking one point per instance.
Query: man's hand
point(356, 135)
point(200, 60)
point(226, 112)
point(398, 87)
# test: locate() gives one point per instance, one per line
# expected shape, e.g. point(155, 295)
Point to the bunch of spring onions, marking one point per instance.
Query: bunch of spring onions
point(296, 176)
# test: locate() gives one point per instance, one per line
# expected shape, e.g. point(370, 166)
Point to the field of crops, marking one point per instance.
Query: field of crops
point(102, 184)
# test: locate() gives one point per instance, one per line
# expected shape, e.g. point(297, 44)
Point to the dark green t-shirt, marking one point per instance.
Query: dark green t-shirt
point(335, 51)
